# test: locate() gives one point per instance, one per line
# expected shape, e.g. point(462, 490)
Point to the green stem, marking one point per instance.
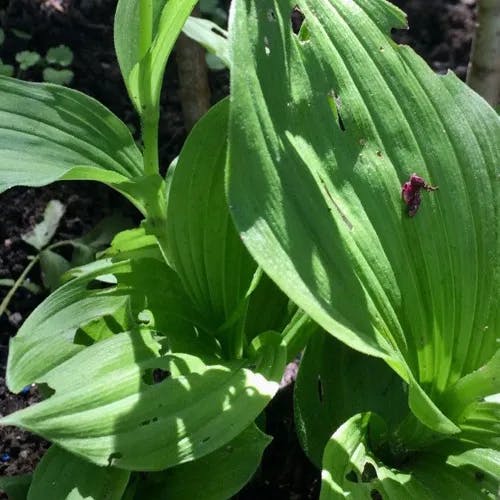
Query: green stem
point(17, 284)
point(149, 108)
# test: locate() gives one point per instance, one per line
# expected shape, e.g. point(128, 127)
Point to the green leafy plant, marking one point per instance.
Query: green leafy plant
point(160, 356)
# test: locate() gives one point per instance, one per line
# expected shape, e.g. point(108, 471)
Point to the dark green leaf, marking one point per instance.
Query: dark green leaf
point(218, 475)
point(64, 476)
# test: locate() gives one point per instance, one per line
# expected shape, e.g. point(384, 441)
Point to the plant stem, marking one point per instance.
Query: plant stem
point(17, 284)
point(149, 109)
point(484, 67)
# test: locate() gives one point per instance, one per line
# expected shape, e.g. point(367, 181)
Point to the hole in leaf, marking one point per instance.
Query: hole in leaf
point(376, 495)
point(204, 440)
point(45, 390)
point(297, 19)
point(267, 50)
point(146, 422)
point(369, 473)
point(154, 376)
point(321, 394)
point(479, 475)
point(114, 456)
point(352, 477)
point(219, 32)
point(379, 154)
point(271, 16)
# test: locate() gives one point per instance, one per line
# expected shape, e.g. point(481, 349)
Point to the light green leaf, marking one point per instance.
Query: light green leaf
point(64, 476)
point(351, 470)
point(138, 62)
point(15, 487)
point(58, 76)
point(44, 231)
point(219, 475)
point(53, 266)
point(52, 333)
point(107, 409)
point(203, 246)
point(27, 59)
point(325, 127)
point(61, 55)
point(210, 36)
point(335, 382)
point(51, 133)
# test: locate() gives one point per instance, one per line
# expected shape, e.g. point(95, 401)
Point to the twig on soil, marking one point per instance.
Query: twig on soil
point(484, 68)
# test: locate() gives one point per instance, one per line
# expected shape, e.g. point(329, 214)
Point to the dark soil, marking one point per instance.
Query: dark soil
point(441, 32)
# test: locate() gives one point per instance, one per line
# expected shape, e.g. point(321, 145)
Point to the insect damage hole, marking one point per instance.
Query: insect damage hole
point(369, 473)
point(321, 393)
point(113, 457)
point(154, 376)
point(297, 19)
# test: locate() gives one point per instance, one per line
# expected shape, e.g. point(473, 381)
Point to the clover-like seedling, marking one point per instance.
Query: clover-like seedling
point(58, 76)
point(60, 55)
point(27, 59)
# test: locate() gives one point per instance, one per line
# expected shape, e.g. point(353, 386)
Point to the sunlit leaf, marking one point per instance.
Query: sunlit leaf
point(109, 409)
point(63, 475)
point(41, 234)
point(329, 117)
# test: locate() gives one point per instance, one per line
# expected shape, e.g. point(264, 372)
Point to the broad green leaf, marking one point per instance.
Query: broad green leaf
point(107, 408)
point(325, 127)
point(203, 246)
point(335, 382)
point(64, 476)
point(53, 266)
point(15, 487)
point(209, 35)
point(52, 133)
point(219, 475)
point(41, 234)
point(101, 290)
point(351, 470)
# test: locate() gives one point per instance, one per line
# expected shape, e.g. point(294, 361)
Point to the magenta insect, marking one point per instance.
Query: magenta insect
point(411, 193)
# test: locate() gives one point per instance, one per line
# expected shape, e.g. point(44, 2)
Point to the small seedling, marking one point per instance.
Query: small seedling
point(27, 59)
point(58, 76)
point(6, 69)
point(60, 55)
point(410, 193)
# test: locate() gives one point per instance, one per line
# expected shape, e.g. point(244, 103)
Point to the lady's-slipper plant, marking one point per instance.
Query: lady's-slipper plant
point(281, 224)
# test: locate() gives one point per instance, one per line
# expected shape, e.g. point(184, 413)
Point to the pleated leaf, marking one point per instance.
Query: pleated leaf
point(53, 133)
point(351, 470)
point(109, 408)
point(63, 475)
point(107, 295)
point(329, 117)
point(219, 475)
point(203, 245)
